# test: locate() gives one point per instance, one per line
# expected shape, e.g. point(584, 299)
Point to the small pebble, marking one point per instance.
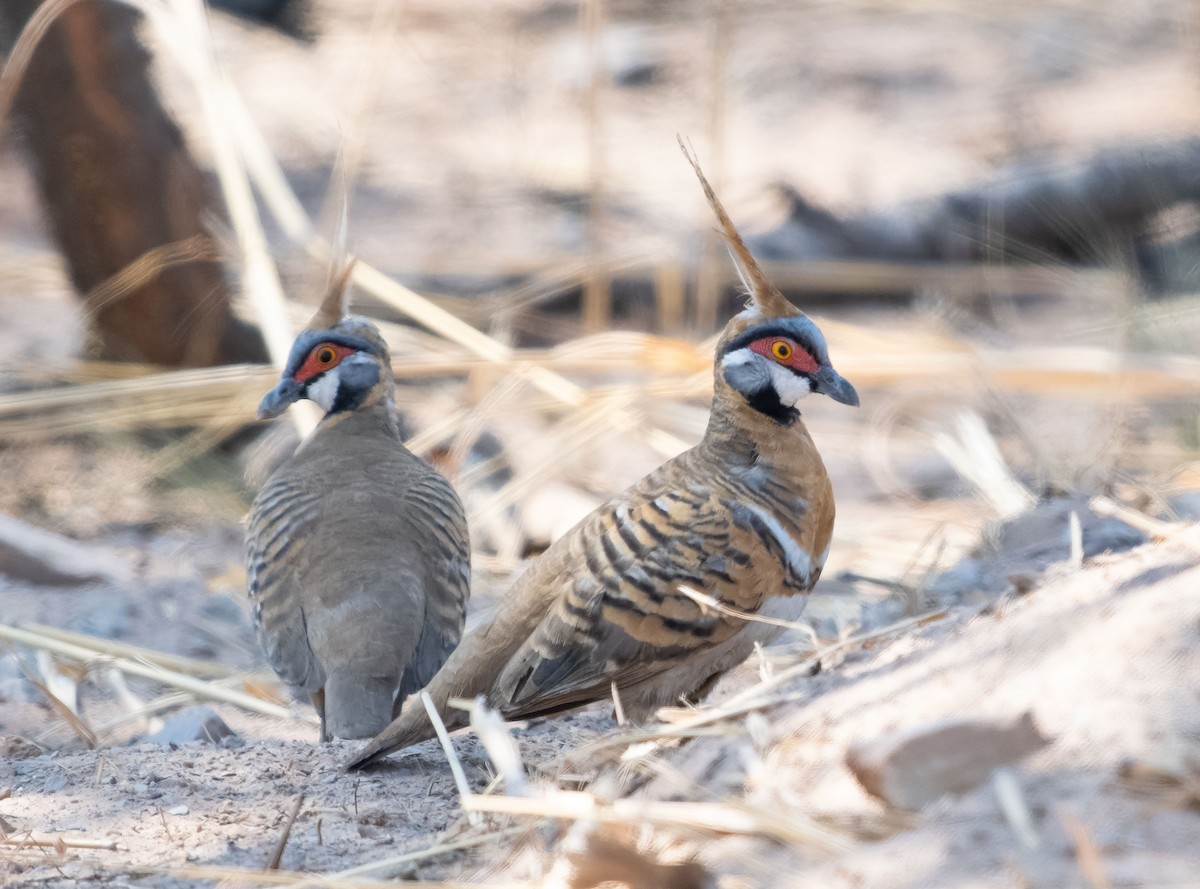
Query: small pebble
point(177, 810)
point(54, 784)
point(329, 779)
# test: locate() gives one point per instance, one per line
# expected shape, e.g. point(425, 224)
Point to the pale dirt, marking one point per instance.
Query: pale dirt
point(474, 158)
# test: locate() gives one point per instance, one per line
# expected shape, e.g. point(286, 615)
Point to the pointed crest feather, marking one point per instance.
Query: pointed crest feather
point(336, 304)
point(764, 295)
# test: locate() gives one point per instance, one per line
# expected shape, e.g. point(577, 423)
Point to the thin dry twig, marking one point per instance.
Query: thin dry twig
point(756, 697)
point(66, 713)
point(456, 769)
point(260, 279)
point(255, 877)
point(1091, 864)
point(55, 841)
point(286, 834)
point(707, 601)
point(198, 687)
point(1156, 528)
point(178, 663)
point(147, 267)
point(725, 817)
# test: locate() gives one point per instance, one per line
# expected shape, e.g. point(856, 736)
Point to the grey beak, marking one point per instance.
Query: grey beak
point(277, 400)
point(837, 387)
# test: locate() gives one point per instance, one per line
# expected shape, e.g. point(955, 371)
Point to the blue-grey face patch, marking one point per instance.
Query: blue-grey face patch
point(310, 338)
point(802, 330)
point(774, 388)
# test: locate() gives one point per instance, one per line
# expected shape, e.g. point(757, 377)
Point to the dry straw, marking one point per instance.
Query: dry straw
point(147, 669)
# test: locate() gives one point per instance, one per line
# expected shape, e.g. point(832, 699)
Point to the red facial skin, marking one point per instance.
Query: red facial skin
point(313, 365)
point(799, 359)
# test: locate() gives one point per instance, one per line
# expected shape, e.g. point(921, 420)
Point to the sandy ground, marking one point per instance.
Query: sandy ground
point(474, 161)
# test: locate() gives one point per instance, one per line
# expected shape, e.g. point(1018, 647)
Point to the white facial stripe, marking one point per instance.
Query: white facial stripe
point(324, 391)
point(790, 387)
point(741, 356)
point(797, 558)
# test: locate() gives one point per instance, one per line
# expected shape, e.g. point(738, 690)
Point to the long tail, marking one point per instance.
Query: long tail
point(468, 672)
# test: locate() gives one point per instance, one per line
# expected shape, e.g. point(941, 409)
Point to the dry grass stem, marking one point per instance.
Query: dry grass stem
point(65, 712)
point(492, 732)
point(221, 399)
point(178, 663)
point(707, 601)
point(237, 876)
point(1075, 533)
point(597, 292)
point(285, 835)
point(1087, 853)
point(1014, 806)
point(147, 267)
point(292, 218)
point(975, 456)
point(723, 818)
point(456, 769)
point(54, 841)
point(1155, 528)
point(21, 54)
point(757, 696)
point(199, 687)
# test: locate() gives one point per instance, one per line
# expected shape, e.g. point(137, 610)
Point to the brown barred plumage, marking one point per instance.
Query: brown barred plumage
point(358, 562)
point(746, 516)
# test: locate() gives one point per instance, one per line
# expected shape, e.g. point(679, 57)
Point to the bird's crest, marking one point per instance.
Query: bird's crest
point(335, 305)
point(764, 296)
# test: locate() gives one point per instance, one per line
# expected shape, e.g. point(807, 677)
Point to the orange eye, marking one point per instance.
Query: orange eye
point(325, 355)
point(781, 350)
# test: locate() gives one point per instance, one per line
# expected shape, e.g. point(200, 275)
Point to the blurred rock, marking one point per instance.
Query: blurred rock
point(107, 613)
point(223, 609)
point(628, 57)
point(13, 747)
point(195, 724)
point(43, 557)
point(1029, 543)
point(54, 783)
point(912, 768)
point(1186, 506)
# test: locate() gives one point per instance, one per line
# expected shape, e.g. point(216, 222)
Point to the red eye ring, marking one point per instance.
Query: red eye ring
point(321, 358)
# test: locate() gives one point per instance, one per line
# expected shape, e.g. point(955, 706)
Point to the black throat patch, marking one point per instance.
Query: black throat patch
point(766, 401)
point(348, 399)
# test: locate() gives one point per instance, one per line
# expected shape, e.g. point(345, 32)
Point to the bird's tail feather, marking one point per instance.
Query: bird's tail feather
point(456, 679)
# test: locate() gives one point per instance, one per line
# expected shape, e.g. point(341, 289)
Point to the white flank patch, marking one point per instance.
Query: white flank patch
point(825, 555)
point(797, 558)
point(324, 391)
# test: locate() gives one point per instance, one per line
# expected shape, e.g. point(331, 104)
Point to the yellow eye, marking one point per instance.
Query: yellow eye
point(781, 350)
point(326, 355)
